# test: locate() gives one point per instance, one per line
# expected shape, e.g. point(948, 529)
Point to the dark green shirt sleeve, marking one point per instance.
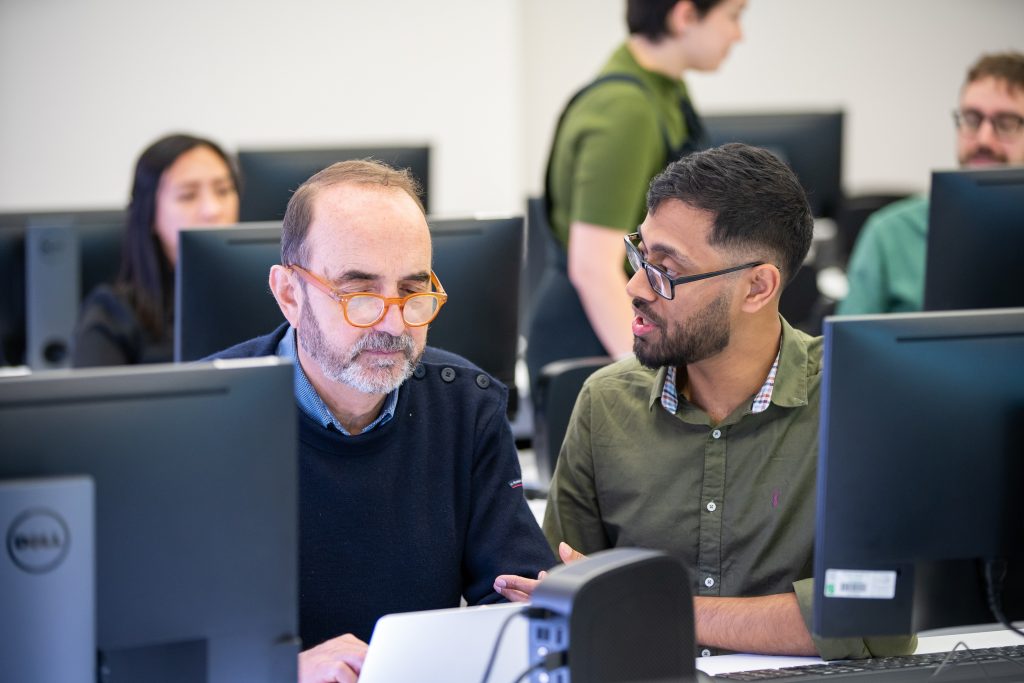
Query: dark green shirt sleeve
point(849, 648)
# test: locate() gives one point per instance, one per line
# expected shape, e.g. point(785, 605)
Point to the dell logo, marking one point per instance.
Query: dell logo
point(38, 540)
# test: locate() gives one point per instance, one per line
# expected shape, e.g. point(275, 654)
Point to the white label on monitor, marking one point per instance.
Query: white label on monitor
point(856, 583)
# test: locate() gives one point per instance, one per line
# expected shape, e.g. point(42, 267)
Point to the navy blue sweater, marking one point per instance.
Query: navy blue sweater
point(415, 513)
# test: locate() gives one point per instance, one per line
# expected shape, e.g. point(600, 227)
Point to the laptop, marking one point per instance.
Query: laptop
point(452, 645)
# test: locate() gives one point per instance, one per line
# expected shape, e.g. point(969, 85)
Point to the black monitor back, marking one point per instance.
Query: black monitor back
point(811, 143)
point(223, 297)
point(922, 438)
point(94, 238)
point(270, 176)
point(975, 239)
point(222, 291)
point(196, 509)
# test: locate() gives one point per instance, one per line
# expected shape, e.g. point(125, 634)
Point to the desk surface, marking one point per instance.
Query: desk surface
point(939, 642)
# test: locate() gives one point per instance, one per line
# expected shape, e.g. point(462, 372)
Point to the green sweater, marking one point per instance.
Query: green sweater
point(735, 501)
point(886, 269)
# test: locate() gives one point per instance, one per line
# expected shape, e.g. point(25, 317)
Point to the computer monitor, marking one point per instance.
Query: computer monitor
point(75, 251)
point(920, 470)
point(196, 509)
point(975, 239)
point(811, 143)
point(270, 176)
point(222, 296)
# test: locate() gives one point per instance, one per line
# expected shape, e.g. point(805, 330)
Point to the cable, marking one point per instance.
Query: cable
point(497, 642)
point(950, 659)
point(946, 660)
point(551, 661)
point(535, 667)
point(995, 572)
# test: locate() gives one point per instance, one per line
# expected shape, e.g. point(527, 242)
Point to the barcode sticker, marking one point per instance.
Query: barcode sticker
point(858, 583)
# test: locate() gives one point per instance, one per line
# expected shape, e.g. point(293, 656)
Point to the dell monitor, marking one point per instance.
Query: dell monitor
point(222, 295)
point(195, 476)
point(72, 252)
point(809, 143)
point(975, 239)
point(270, 176)
point(919, 474)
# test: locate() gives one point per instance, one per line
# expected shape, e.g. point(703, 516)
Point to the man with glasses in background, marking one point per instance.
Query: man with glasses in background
point(409, 484)
point(705, 444)
point(886, 269)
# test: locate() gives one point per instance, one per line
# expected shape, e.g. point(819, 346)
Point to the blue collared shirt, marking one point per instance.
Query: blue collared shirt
point(310, 402)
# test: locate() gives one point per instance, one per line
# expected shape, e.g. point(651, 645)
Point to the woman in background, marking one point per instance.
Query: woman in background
point(180, 181)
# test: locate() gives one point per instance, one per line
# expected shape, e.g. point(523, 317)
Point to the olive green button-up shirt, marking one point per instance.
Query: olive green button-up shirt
point(734, 500)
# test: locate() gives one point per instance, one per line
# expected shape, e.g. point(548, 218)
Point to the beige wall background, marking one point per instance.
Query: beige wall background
point(85, 84)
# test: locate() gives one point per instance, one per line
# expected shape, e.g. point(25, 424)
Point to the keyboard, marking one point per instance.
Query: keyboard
point(981, 664)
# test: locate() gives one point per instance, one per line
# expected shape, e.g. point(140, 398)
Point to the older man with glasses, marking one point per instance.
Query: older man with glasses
point(886, 268)
point(705, 444)
point(410, 489)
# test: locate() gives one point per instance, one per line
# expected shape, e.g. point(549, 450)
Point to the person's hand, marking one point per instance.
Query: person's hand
point(519, 588)
point(516, 588)
point(338, 660)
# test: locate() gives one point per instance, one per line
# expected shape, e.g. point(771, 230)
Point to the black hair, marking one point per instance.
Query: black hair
point(146, 277)
point(759, 207)
point(647, 17)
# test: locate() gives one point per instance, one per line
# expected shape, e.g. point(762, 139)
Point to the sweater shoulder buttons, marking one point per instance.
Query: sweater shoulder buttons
point(420, 372)
point(448, 374)
point(483, 381)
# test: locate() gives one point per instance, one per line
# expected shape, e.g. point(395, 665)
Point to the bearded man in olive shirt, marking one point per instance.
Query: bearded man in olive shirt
point(705, 444)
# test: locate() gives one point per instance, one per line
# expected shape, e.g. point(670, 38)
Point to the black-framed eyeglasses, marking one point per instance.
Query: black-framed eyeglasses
point(663, 285)
point(1006, 125)
point(366, 309)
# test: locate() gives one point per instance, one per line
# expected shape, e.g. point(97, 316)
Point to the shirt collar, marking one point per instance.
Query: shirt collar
point(787, 388)
point(309, 400)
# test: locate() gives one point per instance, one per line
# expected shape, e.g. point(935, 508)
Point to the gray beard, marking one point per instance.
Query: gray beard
point(381, 377)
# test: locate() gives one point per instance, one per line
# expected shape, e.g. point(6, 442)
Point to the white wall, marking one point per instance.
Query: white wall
point(85, 84)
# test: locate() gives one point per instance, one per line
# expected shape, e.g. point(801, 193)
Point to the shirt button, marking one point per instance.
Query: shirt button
point(712, 507)
point(709, 582)
point(705, 652)
point(717, 433)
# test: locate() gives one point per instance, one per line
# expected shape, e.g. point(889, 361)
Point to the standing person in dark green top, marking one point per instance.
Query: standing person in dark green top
point(705, 444)
point(614, 136)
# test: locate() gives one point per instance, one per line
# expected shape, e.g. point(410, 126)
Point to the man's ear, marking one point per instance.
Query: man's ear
point(287, 292)
point(764, 286)
point(682, 16)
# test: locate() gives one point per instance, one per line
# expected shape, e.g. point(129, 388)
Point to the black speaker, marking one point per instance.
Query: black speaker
point(624, 614)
